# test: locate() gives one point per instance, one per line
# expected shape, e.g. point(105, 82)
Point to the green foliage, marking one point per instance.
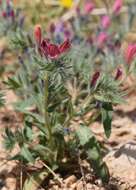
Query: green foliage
point(106, 113)
point(33, 182)
point(108, 90)
point(2, 100)
point(93, 152)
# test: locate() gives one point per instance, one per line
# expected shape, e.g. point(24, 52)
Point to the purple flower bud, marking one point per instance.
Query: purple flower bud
point(52, 28)
point(66, 131)
point(20, 60)
point(95, 77)
point(21, 21)
point(8, 10)
point(118, 74)
point(67, 33)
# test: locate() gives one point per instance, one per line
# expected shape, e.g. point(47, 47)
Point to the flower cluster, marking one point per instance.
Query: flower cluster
point(47, 49)
point(8, 11)
point(10, 17)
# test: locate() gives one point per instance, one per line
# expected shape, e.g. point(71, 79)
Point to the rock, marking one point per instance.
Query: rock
point(122, 164)
point(79, 186)
point(11, 183)
point(70, 180)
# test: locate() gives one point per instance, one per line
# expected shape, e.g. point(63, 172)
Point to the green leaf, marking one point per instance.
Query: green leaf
point(93, 152)
point(9, 139)
point(35, 180)
point(95, 158)
point(2, 100)
point(106, 113)
point(42, 150)
point(27, 154)
point(84, 134)
point(27, 131)
point(104, 173)
point(22, 106)
point(13, 83)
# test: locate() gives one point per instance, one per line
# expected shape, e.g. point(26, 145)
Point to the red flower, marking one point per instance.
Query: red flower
point(38, 34)
point(53, 51)
point(130, 53)
point(65, 46)
point(95, 77)
point(49, 50)
point(4, 14)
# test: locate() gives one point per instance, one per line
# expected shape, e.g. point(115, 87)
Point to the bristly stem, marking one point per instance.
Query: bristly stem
point(47, 122)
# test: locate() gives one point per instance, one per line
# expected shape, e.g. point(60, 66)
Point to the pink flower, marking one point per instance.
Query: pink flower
point(94, 79)
point(38, 34)
point(130, 53)
point(53, 51)
point(8, 2)
point(12, 14)
point(118, 74)
point(4, 14)
point(88, 7)
point(117, 6)
point(102, 39)
point(105, 22)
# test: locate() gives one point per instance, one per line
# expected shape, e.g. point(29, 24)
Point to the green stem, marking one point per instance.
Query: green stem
point(47, 122)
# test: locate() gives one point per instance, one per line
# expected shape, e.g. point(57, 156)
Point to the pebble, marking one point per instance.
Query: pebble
point(70, 180)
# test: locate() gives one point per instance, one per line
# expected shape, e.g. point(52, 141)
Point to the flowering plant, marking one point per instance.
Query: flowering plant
point(59, 85)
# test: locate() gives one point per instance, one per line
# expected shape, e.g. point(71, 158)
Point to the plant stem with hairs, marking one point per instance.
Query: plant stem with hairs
point(47, 120)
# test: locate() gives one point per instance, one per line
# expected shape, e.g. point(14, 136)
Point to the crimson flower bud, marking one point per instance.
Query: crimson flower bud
point(95, 77)
point(118, 74)
point(4, 14)
point(38, 34)
point(130, 53)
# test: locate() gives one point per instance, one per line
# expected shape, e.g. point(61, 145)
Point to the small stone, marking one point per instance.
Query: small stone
point(11, 183)
point(55, 187)
point(70, 180)
point(79, 186)
point(73, 186)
